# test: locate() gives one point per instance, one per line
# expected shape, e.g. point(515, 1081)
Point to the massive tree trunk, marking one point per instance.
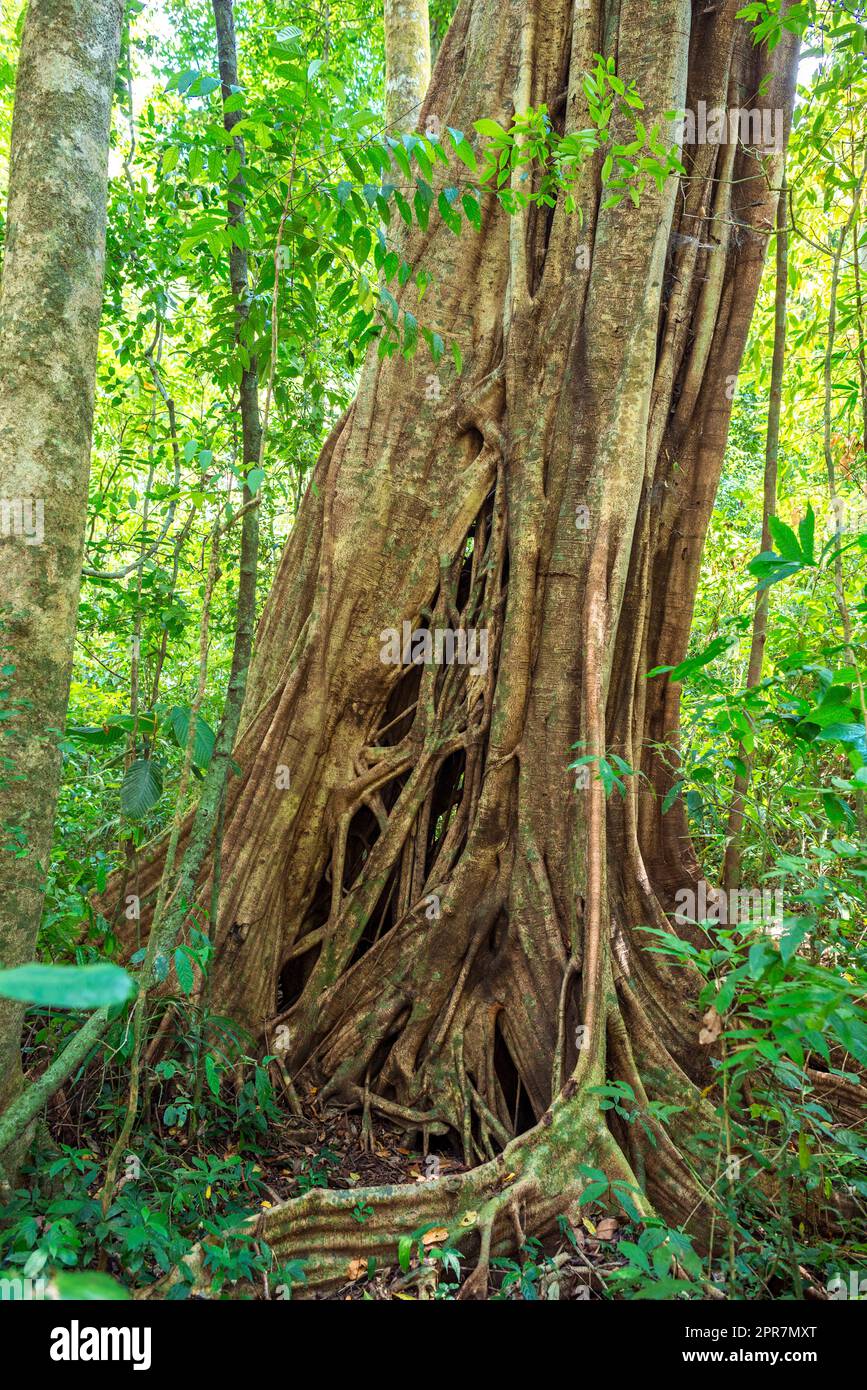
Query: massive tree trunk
point(49, 322)
point(421, 908)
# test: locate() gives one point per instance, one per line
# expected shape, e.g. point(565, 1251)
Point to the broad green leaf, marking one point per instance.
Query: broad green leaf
point(212, 1075)
point(141, 788)
point(178, 719)
point(86, 1286)
point(851, 735)
point(184, 970)
point(785, 539)
point(68, 986)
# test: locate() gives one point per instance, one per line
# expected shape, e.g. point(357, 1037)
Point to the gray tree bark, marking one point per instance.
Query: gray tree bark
point(50, 308)
point(407, 61)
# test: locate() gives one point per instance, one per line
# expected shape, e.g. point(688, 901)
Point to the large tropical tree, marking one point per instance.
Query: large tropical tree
point(423, 908)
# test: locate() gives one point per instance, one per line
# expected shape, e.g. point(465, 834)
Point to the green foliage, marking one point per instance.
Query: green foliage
point(173, 1194)
point(522, 1276)
point(68, 986)
point(329, 196)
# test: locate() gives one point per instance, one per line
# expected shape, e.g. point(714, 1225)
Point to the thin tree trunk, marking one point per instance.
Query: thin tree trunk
point(827, 416)
point(407, 62)
point(861, 352)
point(213, 790)
point(208, 811)
point(839, 580)
point(177, 889)
point(49, 323)
point(731, 875)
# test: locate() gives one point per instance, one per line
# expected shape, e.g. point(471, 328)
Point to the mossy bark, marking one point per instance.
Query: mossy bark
point(49, 321)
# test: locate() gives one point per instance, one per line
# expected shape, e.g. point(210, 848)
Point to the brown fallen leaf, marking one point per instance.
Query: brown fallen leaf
point(435, 1236)
point(356, 1269)
point(607, 1228)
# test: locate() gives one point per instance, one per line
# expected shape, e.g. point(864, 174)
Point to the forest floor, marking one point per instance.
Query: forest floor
point(235, 1169)
point(178, 1192)
point(328, 1147)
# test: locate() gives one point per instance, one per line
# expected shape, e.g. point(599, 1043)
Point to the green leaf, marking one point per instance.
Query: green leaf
point(761, 955)
point(835, 809)
point(473, 209)
point(695, 663)
point(793, 938)
point(635, 1254)
point(592, 1191)
point(361, 243)
point(212, 1075)
point(608, 777)
point(401, 158)
point(87, 1286)
point(141, 788)
point(785, 539)
point(180, 81)
point(770, 569)
point(435, 343)
point(68, 986)
point(448, 214)
point(403, 207)
point(388, 301)
point(852, 735)
point(184, 970)
point(463, 149)
point(98, 734)
point(623, 1191)
point(491, 128)
point(178, 719)
point(410, 333)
